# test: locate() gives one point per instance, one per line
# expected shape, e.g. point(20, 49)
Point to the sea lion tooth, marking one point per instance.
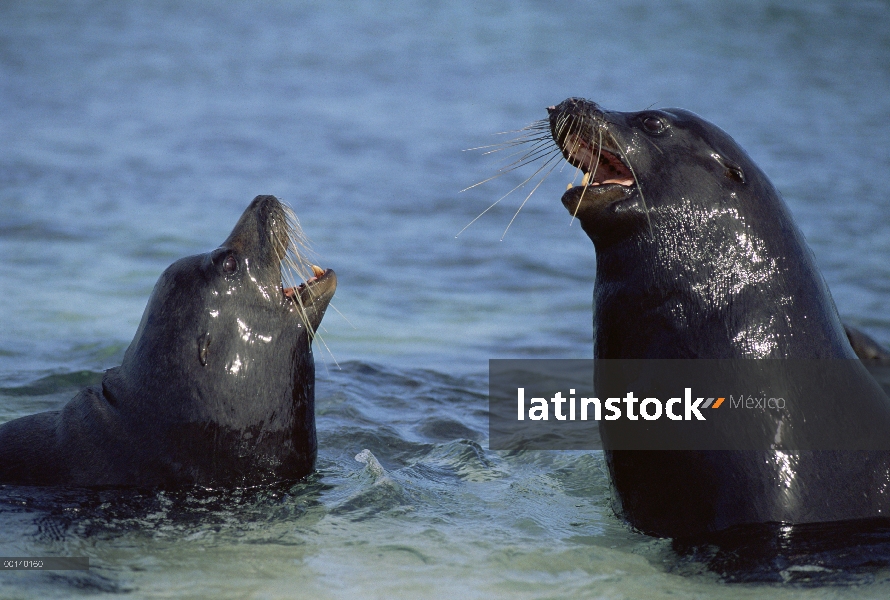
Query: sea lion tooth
point(318, 271)
point(586, 179)
point(568, 187)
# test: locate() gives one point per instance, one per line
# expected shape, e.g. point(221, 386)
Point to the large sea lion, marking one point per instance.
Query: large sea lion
point(216, 388)
point(699, 258)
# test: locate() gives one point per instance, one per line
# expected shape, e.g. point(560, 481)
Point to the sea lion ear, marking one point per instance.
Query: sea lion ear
point(203, 348)
point(733, 171)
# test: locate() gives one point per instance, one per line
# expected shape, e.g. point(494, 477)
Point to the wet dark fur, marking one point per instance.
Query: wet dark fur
point(700, 258)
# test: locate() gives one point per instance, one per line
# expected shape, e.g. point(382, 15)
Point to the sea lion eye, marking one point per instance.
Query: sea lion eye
point(230, 265)
point(653, 124)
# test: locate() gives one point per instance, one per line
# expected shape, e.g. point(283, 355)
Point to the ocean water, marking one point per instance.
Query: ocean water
point(135, 133)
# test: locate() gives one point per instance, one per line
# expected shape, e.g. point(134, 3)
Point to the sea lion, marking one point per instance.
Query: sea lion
point(217, 387)
point(699, 258)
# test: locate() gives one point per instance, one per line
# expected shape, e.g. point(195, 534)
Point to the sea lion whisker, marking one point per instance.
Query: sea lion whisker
point(537, 146)
point(527, 158)
point(294, 247)
point(297, 270)
point(495, 148)
point(523, 139)
point(574, 148)
point(561, 124)
point(302, 310)
point(516, 214)
point(539, 124)
point(314, 333)
point(569, 134)
point(639, 187)
point(537, 130)
point(294, 230)
point(328, 349)
point(506, 169)
point(654, 145)
point(560, 150)
point(337, 310)
point(537, 141)
point(577, 170)
point(492, 205)
point(541, 148)
point(591, 174)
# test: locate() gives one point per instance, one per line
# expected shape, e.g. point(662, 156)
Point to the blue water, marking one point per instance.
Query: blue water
point(135, 133)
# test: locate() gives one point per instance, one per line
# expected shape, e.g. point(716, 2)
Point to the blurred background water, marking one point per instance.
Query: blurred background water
point(135, 133)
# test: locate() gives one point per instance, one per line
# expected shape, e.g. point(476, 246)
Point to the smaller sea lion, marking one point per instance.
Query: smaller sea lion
point(216, 388)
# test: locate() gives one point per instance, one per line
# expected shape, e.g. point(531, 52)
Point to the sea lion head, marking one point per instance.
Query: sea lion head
point(652, 164)
point(221, 364)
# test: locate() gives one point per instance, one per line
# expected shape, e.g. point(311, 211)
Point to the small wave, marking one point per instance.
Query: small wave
point(52, 384)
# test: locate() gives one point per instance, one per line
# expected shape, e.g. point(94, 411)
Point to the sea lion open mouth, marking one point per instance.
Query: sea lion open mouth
point(306, 288)
point(311, 290)
point(579, 129)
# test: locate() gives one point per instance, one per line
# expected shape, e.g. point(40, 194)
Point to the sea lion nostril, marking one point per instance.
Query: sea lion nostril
point(203, 348)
